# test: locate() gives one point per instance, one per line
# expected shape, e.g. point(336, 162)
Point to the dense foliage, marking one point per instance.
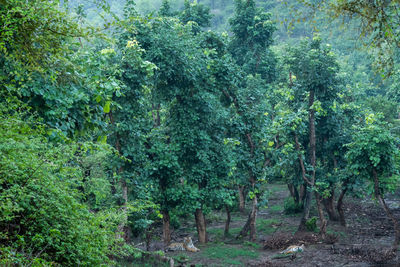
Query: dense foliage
point(109, 132)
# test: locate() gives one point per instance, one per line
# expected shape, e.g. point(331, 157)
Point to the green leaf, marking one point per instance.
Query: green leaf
point(107, 106)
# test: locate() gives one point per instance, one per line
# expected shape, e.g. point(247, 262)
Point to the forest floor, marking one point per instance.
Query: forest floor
point(364, 242)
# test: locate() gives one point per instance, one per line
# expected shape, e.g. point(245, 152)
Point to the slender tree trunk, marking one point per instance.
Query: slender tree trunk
point(228, 220)
point(387, 210)
point(291, 190)
point(311, 182)
point(294, 193)
point(306, 212)
point(329, 204)
point(242, 199)
point(307, 193)
point(201, 226)
point(253, 233)
point(302, 194)
point(166, 228)
point(339, 207)
point(323, 222)
point(251, 220)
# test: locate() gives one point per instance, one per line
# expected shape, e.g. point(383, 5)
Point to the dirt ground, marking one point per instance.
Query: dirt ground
point(364, 242)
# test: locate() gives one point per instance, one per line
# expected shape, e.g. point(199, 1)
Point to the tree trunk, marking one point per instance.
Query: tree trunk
point(253, 236)
point(329, 204)
point(291, 190)
point(242, 199)
point(339, 207)
point(166, 228)
point(228, 220)
point(302, 194)
point(307, 193)
point(323, 222)
point(312, 154)
point(250, 224)
point(387, 210)
point(201, 226)
point(306, 211)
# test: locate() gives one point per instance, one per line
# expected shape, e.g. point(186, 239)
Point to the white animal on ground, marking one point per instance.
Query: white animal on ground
point(293, 249)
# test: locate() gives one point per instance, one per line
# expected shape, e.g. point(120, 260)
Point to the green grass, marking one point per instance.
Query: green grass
point(225, 252)
point(252, 244)
point(276, 208)
point(232, 262)
point(265, 226)
point(218, 233)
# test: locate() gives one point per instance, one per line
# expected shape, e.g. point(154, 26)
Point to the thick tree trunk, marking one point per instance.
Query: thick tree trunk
point(329, 204)
point(387, 210)
point(339, 207)
point(228, 220)
point(242, 199)
point(201, 226)
point(166, 228)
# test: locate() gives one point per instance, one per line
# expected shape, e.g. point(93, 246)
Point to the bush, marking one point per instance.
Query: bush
point(42, 219)
point(291, 207)
point(311, 224)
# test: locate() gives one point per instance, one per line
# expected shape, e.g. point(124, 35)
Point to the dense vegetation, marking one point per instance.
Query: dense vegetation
point(116, 119)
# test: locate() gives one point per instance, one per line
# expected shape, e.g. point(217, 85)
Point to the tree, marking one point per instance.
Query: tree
point(315, 70)
point(372, 155)
point(252, 35)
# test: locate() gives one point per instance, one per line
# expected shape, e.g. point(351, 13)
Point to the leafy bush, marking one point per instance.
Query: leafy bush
point(42, 219)
point(291, 207)
point(311, 224)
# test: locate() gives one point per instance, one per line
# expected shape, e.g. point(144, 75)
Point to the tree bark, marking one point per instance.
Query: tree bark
point(166, 228)
point(323, 222)
point(242, 199)
point(387, 210)
point(251, 220)
point(329, 204)
point(308, 192)
point(201, 226)
point(302, 194)
point(294, 193)
point(339, 207)
point(228, 220)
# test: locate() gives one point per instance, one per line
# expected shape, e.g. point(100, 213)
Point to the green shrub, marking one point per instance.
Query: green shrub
point(291, 207)
point(311, 224)
point(42, 217)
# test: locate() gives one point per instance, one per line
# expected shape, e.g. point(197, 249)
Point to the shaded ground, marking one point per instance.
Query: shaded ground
point(365, 242)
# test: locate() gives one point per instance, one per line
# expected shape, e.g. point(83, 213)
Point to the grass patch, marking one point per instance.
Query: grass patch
point(218, 233)
point(265, 226)
point(232, 262)
point(225, 252)
point(276, 208)
point(252, 244)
